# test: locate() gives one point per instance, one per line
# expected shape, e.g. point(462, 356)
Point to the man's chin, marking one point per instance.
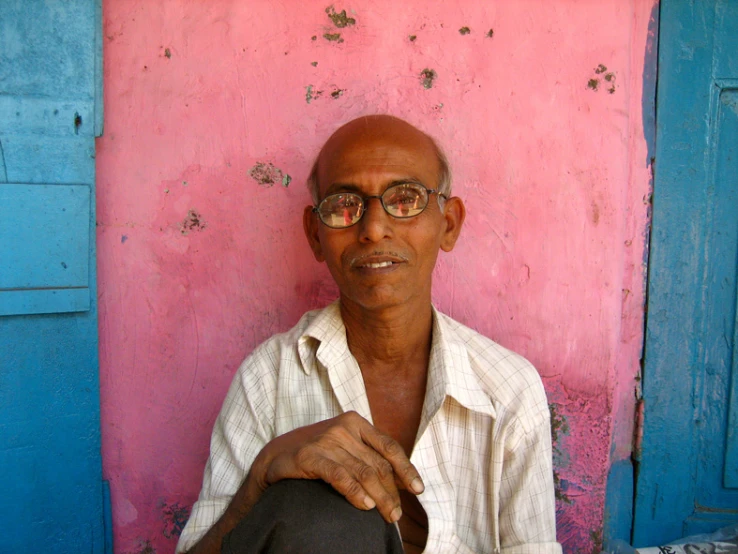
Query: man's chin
point(378, 301)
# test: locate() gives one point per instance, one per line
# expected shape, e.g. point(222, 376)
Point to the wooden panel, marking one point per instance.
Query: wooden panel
point(41, 159)
point(44, 254)
point(715, 504)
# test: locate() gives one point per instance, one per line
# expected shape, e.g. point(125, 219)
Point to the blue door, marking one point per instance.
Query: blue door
point(687, 477)
point(50, 113)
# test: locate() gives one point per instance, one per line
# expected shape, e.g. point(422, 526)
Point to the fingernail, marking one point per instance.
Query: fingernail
point(417, 485)
point(369, 503)
point(396, 514)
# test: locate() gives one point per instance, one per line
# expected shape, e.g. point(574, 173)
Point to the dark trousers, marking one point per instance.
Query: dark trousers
point(309, 517)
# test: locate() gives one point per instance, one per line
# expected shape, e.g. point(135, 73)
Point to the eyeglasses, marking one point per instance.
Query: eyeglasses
point(402, 200)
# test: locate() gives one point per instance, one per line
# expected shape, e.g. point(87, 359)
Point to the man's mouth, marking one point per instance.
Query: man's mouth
point(377, 260)
point(378, 265)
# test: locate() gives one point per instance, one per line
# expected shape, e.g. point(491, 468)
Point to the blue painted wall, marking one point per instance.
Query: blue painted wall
point(689, 449)
point(50, 113)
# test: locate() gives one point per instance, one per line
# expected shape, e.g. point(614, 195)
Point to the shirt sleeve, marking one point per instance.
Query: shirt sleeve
point(239, 434)
point(527, 517)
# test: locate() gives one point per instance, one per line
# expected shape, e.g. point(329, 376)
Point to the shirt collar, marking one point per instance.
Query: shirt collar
point(449, 370)
point(324, 337)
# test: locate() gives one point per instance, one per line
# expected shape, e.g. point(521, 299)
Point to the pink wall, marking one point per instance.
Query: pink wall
point(198, 262)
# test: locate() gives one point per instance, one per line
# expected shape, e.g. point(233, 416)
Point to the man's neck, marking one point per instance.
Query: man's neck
point(394, 339)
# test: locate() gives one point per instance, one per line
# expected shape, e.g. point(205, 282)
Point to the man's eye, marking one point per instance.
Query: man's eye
point(350, 201)
point(406, 199)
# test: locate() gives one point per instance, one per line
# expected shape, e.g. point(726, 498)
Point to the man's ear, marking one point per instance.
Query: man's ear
point(311, 226)
point(454, 214)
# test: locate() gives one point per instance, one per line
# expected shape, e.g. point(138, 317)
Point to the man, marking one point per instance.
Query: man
point(378, 405)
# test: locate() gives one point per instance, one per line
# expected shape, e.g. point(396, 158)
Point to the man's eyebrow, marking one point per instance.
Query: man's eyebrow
point(342, 187)
point(351, 187)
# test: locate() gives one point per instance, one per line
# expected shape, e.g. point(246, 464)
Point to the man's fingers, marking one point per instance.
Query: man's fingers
point(390, 450)
point(364, 477)
point(376, 477)
point(349, 478)
point(361, 463)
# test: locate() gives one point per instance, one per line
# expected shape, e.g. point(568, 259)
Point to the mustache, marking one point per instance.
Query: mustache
point(385, 254)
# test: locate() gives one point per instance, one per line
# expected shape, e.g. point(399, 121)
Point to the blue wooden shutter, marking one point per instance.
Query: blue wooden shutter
point(50, 114)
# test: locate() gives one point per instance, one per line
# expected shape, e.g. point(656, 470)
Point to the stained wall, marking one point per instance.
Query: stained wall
point(213, 114)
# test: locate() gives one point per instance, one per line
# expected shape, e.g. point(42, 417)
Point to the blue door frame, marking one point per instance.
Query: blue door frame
point(53, 496)
point(687, 467)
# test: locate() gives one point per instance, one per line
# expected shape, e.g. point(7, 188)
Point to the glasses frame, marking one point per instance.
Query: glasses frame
point(380, 197)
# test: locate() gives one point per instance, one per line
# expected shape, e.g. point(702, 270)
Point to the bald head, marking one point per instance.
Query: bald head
point(377, 131)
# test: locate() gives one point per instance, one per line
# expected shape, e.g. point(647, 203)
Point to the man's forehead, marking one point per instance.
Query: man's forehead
point(376, 129)
point(375, 142)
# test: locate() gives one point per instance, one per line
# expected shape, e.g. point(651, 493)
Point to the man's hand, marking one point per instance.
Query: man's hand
point(363, 464)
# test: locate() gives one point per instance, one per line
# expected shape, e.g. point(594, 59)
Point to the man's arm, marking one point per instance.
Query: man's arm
point(240, 505)
point(350, 454)
point(527, 517)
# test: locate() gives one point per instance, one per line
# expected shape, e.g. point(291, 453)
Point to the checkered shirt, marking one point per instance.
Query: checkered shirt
point(483, 447)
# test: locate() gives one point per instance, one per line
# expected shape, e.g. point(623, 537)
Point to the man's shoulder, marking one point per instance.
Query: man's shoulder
point(506, 377)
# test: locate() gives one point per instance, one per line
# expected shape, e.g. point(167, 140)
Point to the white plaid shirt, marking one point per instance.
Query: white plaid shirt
point(483, 446)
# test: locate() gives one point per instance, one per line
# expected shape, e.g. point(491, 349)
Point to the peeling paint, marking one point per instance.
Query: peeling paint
point(490, 33)
point(267, 174)
point(312, 94)
point(145, 547)
point(559, 424)
point(559, 427)
point(427, 76)
point(559, 489)
point(340, 19)
point(412, 38)
point(333, 37)
point(192, 222)
point(596, 537)
point(168, 53)
point(608, 77)
point(337, 93)
point(650, 65)
point(175, 517)
point(464, 31)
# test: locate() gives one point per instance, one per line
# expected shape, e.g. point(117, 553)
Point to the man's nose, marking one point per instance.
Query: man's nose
point(376, 224)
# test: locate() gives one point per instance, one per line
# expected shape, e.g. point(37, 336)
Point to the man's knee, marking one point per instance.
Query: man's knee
point(310, 517)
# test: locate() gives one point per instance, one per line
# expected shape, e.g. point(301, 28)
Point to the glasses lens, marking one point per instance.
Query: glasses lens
point(406, 199)
point(340, 210)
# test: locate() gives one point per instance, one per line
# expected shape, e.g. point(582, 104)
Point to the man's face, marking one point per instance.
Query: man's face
point(381, 261)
